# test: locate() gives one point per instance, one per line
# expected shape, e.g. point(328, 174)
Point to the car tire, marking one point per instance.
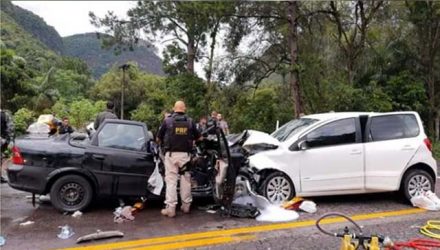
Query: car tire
point(415, 181)
point(71, 193)
point(277, 188)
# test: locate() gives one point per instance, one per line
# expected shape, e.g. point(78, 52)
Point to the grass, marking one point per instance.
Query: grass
point(436, 150)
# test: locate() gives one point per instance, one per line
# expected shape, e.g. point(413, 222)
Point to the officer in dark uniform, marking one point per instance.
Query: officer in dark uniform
point(7, 135)
point(177, 135)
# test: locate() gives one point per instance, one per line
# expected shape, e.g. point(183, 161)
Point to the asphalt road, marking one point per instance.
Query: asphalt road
point(375, 212)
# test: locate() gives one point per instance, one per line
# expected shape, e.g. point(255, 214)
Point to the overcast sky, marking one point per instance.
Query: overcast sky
point(72, 17)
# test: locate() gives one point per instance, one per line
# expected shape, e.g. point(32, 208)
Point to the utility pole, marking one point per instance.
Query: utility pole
point(124, 68)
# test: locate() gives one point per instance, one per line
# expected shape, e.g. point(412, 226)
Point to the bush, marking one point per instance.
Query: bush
point(22, 119)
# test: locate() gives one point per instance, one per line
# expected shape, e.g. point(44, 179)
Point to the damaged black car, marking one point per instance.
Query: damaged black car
point(119, 160)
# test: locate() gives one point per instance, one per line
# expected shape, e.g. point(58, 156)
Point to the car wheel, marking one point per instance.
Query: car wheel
point(277, 188)
point(71, 193)
point(416, 182)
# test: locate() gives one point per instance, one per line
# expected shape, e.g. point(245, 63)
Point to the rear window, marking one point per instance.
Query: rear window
point(393, 127)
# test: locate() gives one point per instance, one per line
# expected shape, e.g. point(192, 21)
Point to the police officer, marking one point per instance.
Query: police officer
point(177, 134)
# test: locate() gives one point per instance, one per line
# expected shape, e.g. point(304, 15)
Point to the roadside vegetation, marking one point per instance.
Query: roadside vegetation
point(278, 60)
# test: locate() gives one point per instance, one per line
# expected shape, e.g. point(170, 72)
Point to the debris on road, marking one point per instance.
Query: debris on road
point(66, 232)
point(308, 206)
point(427, 200)
point(293, 204)
point(77, 214)
point(123, 214)
point(243, 211)
point(27, 223)
point(20, 219)
point(2, 241)
point(257, 206)
point(99, 235)
point(44, 198)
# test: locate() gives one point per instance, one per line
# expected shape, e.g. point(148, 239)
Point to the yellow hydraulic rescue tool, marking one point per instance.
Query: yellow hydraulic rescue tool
point(354, 241)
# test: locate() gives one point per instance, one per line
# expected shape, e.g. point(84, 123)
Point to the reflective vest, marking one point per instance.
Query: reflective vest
point(179, 134)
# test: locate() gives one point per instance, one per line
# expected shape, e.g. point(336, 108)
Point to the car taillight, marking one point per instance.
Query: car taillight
point(428, 143)
point(16, 156)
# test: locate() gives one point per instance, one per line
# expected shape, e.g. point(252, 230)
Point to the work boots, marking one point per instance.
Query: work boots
point(169, 211)
point(185, 207)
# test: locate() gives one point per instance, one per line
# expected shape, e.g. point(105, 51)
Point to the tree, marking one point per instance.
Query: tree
point(15, 81)
point(425, 17)
point(352, 20)
point(139, 88)
point(184, 22)
point(278, 25)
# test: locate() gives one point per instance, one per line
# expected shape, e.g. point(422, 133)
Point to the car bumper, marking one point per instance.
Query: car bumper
point(27, 178)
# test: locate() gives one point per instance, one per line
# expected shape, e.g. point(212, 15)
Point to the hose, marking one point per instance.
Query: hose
point(418, 244)
point(339, 215)
point(431, 229)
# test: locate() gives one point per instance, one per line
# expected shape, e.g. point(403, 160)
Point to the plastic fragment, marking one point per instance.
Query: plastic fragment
point(66, 232)
point(27, 223)
point(77, 214)
point(2, 241)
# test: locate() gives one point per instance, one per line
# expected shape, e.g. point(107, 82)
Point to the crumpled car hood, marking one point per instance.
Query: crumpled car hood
point(259, 141)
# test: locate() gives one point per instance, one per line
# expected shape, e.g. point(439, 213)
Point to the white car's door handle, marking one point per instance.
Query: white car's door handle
point(355, 152)
point(407, 147)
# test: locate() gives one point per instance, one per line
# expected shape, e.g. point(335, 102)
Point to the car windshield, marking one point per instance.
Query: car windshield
point(291, 128)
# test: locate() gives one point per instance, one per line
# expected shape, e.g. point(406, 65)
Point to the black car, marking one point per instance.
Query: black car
point(116, 161)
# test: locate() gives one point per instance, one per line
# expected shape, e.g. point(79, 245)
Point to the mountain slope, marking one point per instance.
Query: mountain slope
point(34, 25)
point(25, 45)
point(88, 47)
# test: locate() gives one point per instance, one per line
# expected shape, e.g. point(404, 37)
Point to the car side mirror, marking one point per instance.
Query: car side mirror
point(302, 145)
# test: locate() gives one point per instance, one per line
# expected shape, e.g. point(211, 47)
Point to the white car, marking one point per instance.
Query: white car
point(344, 153)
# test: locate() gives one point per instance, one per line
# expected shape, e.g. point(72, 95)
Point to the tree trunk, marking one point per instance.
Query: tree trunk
point(437, 127)
point(292, 15)
point(191, 55)
point(210, 86)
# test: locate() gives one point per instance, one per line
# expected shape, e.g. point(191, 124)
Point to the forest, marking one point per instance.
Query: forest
point(261, 62)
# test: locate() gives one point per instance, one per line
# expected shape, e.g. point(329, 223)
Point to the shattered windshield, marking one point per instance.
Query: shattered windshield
point(291, 128)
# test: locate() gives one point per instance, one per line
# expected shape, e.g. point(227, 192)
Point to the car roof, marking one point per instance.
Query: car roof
point(339, 115)
point(335, 115)
point(118, 121)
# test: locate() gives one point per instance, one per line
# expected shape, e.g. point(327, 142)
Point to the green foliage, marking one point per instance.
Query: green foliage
point(189, 88)
point(82, 112)
point(140, 87)
point(35, 25)
point(147, 114)
point(14, 80)
point(22, 119)
point(436, 150)
point(259, 110)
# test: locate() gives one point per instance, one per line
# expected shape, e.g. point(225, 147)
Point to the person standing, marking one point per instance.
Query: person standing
point(106, 114)
point(7, 135)
point(223, 124)
point(65, 127)
point(201, 126)
point(177, 134)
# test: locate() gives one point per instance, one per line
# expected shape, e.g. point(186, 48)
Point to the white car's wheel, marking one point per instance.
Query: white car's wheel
point(278, 188)
point(417, 182)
